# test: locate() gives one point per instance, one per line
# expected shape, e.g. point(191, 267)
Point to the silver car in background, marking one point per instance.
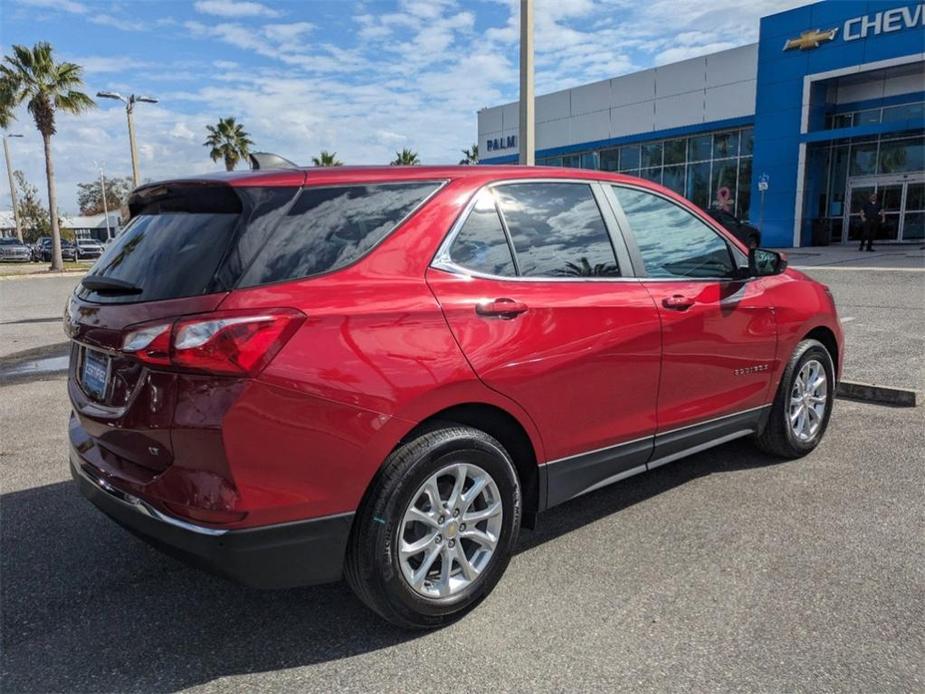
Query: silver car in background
point(11, 250)
point(89, 249)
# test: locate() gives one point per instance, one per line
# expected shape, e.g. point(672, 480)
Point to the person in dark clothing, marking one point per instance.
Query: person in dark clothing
point(872, 216)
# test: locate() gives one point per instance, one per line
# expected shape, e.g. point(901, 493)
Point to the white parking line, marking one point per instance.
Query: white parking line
point(848, 319)
point(855, 268)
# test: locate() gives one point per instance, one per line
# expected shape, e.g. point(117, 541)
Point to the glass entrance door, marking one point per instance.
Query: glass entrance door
point(913, 227)
point(902, 199)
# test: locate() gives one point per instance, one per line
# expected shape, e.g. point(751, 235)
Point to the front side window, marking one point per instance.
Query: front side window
point(557, 230)
point(672, 241)
point(328, 228)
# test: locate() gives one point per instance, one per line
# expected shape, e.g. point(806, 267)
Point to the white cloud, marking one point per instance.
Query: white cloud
point(288, 36)
point(98, 64)
point(63, 5)
point(234, 8)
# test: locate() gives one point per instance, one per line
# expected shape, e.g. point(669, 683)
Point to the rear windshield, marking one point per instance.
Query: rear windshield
point(186, 240)
point(173, 246)
point(331, 227)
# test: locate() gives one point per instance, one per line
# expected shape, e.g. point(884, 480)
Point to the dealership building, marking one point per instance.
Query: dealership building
point(793, 132)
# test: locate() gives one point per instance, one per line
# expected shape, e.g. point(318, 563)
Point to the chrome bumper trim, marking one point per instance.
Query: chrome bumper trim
point(141, 506)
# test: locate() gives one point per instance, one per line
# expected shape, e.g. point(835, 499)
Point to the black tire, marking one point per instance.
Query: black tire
point(778, 438)
point(372, 567)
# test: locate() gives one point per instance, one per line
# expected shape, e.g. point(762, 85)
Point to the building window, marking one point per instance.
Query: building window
point(864, 159)
point(698, 184)
point(629, 158)
point(711, 170)
point(725, 145)
point(610, 160)
point(652, 154)
point(675, 151)
point(673, 178)
point(700, 148)
point(901, 156)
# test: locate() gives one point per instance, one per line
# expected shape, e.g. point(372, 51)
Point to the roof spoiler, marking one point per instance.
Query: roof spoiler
point(268, 160)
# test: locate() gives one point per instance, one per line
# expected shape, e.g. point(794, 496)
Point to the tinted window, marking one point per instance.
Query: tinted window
point(167, 255)
point(557, 230)
point(482, 246)
point(672, 241)
point(174, 243)
point(328, 228)
point(186, 240)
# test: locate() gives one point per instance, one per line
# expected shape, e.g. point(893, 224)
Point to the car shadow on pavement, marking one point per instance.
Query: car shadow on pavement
point(584, 510)
point(87, 607)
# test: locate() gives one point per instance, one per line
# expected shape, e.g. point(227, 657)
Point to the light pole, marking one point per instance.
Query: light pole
point(527, 119)
point(9, 172)
point(105, 205)
point(130, 102)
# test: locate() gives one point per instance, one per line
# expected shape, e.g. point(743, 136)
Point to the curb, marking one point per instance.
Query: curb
point(883, 395)
point(42, 275)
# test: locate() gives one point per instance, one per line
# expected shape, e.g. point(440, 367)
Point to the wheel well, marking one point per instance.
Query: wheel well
point(827, 338)
point(507, 430)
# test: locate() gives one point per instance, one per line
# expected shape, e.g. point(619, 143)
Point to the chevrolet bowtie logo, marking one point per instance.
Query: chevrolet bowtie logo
point(810, 39)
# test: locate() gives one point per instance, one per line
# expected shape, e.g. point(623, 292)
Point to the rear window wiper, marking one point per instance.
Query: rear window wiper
point(109, 285)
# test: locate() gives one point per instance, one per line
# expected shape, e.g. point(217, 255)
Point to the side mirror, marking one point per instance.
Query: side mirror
point(763, 263)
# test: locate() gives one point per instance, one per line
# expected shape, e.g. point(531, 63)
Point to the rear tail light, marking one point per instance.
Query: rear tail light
point(224, 342)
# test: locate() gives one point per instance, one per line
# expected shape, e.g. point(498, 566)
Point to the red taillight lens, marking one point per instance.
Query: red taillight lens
point(224, 342)
point(232, 343)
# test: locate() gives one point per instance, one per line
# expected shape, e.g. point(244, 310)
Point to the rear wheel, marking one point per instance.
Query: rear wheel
point(437, 528)
point(803, 405)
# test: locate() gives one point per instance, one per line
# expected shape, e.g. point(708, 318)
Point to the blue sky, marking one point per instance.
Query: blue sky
point(362, 78)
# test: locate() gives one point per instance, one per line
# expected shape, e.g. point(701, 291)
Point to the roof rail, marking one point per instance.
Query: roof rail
point(268, 160)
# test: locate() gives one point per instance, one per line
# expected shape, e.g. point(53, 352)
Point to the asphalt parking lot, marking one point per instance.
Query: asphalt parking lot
point(725, 571)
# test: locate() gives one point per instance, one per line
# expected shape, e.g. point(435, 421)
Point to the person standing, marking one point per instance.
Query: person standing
point(872, 215)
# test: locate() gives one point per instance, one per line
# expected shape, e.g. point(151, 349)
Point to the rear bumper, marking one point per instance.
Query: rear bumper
point(278, 556)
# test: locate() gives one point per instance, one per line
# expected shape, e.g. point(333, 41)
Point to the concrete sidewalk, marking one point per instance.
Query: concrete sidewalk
point(898, 257)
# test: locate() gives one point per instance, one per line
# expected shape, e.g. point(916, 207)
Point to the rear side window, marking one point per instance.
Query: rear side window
point(557, 230)
point(481, 244)
point(328, 228)
point(672, 241)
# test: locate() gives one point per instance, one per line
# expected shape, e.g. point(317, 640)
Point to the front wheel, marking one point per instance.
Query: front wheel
point(803, 404)
point(436, 529)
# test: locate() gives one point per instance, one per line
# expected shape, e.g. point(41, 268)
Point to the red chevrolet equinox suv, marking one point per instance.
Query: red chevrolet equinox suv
point(289, 376)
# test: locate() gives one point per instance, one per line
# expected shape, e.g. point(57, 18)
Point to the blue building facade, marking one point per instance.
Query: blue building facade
point(827, 108)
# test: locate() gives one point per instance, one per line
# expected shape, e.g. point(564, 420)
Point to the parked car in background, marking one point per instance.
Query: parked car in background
point(742, 230)
point(38, 248)
point(289, 376)
point(68, 249)
point(89, 249)
point(13, 250)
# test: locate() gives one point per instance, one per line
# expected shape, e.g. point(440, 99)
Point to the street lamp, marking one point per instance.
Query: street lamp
point(9, 172)
point(526, 133)
point(105, 205)
point(129, 107)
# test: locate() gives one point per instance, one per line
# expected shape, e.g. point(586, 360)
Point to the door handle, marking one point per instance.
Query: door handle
point(502, 308)
point(678, 302)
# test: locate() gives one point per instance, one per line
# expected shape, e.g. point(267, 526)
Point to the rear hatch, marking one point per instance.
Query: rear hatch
point(181, 253)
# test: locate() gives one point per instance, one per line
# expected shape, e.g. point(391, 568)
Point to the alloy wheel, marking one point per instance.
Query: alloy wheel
point(808, 399)
point(450, 530)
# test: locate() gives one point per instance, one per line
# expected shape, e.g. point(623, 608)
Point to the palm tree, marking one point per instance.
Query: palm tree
point(327, 159)
point(32, 77)
point(471, 156)
point(584, 269)
point(229, 141)
point(407, 157)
